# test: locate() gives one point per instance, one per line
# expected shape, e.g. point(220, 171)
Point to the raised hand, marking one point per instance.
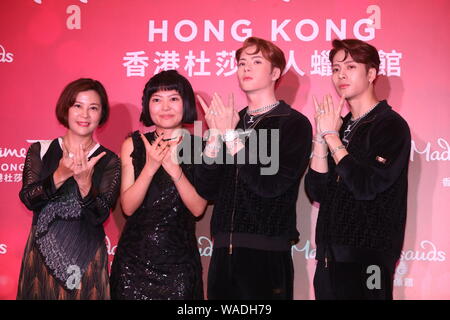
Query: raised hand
point(210, 114)
point(218, 115)
point(170, 161)
point(83, 169)
point(318, 108)
point(328, 118)
point(154, 154)
point(65, 167)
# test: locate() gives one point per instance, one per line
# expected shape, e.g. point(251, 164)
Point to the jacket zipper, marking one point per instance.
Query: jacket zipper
point(348, 143)
point(359, 125)
point(339, 177)
point(230, 247)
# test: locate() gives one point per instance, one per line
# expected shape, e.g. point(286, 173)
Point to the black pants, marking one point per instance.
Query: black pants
point(352, 281)
point(250, 274)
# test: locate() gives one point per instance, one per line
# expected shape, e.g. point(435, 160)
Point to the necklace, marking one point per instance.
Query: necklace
point(251, 119)
point(253, 113)
point(365, 114)
point(353, 123)
point(254, 119)
point(71, 154)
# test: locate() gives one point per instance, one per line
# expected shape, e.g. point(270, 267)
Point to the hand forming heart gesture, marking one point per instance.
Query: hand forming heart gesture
point(79, 166)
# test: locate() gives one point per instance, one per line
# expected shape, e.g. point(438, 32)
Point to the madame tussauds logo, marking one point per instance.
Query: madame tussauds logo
point(5, 56)
point(109, 247)
point(16, 153)
point(429, 253)
point(205, 246)
point(432, 155)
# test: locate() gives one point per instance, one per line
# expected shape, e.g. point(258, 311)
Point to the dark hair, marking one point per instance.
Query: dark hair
point(269, 51)
point(360, 51)
point(69, 95)
point(166, 81)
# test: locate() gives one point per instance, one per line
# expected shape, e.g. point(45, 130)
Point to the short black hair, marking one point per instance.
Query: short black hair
point(166, 81)
point(69, 94)
point(360, 51)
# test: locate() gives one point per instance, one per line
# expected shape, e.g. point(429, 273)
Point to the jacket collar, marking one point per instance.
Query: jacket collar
point(379, 109)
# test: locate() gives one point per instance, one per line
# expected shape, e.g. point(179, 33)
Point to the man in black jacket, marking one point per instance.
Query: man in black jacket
point(254, 219)
point(358, 174)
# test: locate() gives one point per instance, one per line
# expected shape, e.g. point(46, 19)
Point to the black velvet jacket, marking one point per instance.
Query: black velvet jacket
point(259, 210)
point(363, 199)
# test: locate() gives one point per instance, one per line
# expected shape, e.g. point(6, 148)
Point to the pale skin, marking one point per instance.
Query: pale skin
point(257, 78)
point(166, 112)
point(354, 83)
point(83, 119)
point(220, 118)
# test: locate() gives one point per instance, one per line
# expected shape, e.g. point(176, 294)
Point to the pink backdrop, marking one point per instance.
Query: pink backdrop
point(44, 44)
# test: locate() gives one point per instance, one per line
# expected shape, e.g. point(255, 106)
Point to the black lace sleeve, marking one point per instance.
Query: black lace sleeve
point(35, 192)
point(103, 195)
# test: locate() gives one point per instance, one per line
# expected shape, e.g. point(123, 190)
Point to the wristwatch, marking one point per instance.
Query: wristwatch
point(230, 135)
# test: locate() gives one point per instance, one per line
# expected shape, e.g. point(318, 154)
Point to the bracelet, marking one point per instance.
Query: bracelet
point(337, 148)
point(319, 141)
point(317, 156)
point(323, 134)
point(233, 142)
point(230, 135)
point(181, 174)
point(214, 147)
point(232, 145)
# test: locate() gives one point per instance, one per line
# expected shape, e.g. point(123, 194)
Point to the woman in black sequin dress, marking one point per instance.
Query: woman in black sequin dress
point(157, 256)
point(70, 183)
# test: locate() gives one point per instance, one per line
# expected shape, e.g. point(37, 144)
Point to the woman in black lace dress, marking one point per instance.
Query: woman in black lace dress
point(157, 256)
point(70, 183)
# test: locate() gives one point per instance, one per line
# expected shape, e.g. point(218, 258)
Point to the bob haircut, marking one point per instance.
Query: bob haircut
point(166, 81)
point(269, 51)
point(360, 51)
point(69, 95)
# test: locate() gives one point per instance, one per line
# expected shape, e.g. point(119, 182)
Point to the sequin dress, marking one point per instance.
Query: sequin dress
point(157, 255)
